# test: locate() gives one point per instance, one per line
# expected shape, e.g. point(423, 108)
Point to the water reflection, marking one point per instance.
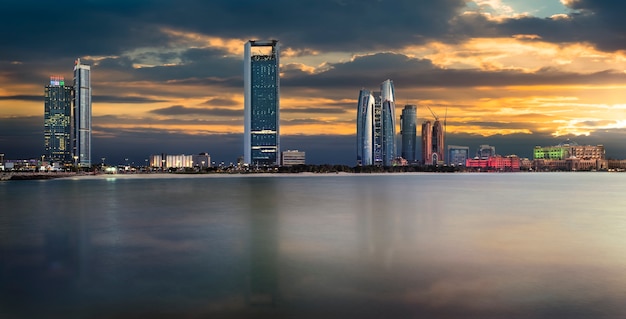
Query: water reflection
point(331, 246)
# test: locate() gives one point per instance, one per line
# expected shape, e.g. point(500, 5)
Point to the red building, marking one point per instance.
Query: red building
point(495, 163)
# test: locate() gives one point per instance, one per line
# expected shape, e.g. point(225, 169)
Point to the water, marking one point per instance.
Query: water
point(538, 245)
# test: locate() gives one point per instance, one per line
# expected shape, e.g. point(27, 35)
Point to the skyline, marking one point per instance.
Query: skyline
point(513, 74)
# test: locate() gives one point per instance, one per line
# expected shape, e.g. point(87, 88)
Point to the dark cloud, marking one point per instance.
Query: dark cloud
point(182, 110)
point(314, 110)
point(123, 99)
point(216, 101)
point(29, 98)
point(598, 22)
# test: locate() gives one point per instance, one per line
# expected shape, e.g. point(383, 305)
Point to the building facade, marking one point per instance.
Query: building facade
point(82, 114)
point(58, 121)
point(261, 103)
point(365, 129)
point(457, 155)
point(292, 157)
point(408, 130)
point(495, 163)
point(570, 156)
point(376, 126)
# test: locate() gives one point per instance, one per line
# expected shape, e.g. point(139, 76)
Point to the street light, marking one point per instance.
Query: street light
point(76, 162)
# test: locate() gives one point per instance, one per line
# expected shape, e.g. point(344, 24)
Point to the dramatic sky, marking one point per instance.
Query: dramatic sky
point(167, 75)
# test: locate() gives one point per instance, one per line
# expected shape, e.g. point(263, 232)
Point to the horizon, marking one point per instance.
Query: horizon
point(513, 74)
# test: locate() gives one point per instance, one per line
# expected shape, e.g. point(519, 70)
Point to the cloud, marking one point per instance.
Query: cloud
point(216, 101)
point(182, 110)
point(29, 98)
point(313, 110)
point(124, 99)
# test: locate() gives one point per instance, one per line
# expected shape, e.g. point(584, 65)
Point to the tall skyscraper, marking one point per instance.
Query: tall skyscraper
point(57, 121)
point(408, 130)
point(432, 143)
point(82, 114)
point(376, 126)
point(365, 129)
point(261, 103)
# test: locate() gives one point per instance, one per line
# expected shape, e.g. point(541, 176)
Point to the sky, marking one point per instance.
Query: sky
point(167, 77)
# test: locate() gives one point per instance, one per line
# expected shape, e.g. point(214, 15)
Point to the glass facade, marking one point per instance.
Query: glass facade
point(408, 130)
point(388, 119)
point(261, 104)
point(376, 126)
point(364, 128)
point(57, 121)
point(82, 114)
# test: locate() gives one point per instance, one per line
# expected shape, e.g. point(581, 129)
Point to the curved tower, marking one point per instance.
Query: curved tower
point(388, 122)
point(364, 128)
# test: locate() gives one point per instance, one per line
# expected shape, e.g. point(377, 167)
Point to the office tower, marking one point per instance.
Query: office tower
point(365, 129)
point(408, 130)
point(376, 126)
point(57, 121)
point(438, 142)
point(427, 142)
point(261, 103)
point(432, 142)
point(82, 114)
point(388, 121)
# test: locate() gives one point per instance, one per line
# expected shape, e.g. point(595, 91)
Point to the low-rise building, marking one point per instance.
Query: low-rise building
point(495, 163)
point(292, 157)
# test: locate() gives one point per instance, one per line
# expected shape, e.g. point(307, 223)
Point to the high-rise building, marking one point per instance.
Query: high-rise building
point(408, 130)
point(432, 143)
point(388, 121)
point(82, 114)
point(58, 121)
point(365, 129)
point(376, 126)
point(261, 103)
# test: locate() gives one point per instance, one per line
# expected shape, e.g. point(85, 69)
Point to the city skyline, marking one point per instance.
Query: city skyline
point(513, 74)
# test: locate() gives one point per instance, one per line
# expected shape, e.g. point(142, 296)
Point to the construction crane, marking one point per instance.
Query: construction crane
point(434, 114)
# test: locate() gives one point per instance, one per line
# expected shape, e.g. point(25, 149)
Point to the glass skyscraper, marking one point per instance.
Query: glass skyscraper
point(57, 121)
point(365, 129)
point(408, 130)
point(82, 114)
point(376, 126)
point(261, 103)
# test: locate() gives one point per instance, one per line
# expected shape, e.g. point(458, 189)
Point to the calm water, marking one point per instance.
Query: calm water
point(520, 245)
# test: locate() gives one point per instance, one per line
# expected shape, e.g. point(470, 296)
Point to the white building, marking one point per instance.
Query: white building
point(292, 157)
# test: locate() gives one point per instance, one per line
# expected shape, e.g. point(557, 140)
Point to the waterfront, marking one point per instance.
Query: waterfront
point(532, 245)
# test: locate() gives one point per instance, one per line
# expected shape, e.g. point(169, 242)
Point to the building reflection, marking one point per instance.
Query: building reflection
point(263, 243)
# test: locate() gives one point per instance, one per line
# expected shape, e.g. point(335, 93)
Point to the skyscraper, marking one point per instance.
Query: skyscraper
point(57, 121)
point(82, 114)
point(365, 129)
point(432, 143)
point(376, 126)
point(261, 103)
point(408, 130)
point(388, 121)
